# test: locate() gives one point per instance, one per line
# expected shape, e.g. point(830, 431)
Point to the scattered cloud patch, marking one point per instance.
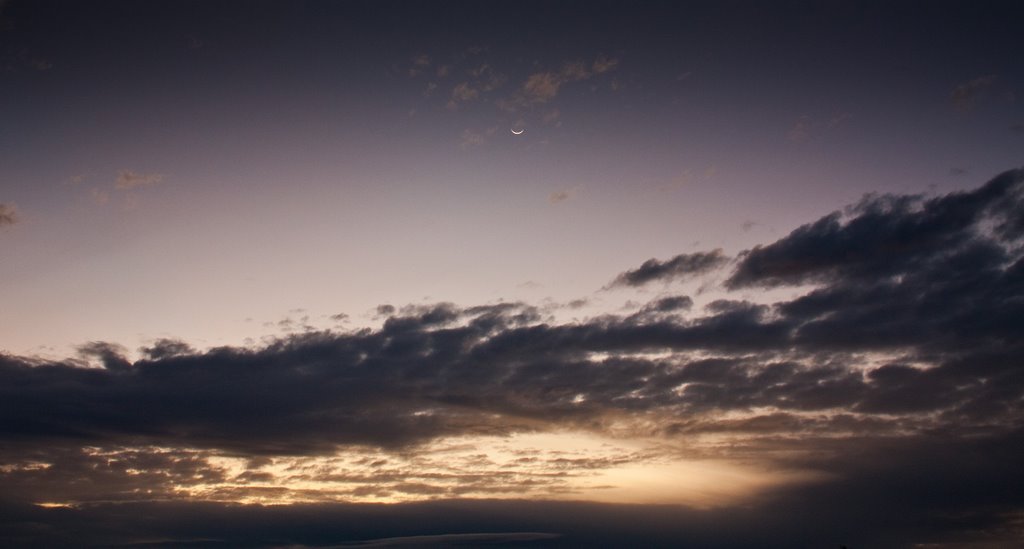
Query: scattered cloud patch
point(681, 266)
point(474, 138)
point(8, 214)
point(128, 180)
point(807, 126)
point(542, 87)
point(482, 79)
point(669, 304)
point(966, 95)
point(420, 62)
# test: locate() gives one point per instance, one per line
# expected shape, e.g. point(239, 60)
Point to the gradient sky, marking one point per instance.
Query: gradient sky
point(749, 264)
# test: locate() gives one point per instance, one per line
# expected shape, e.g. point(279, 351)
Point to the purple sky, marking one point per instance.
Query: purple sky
point(222, 191)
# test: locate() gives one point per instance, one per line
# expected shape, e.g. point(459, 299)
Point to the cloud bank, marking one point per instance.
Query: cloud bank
point(897, 370)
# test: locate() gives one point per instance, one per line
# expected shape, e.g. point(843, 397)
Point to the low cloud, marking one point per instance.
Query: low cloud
point(681, 266)
point(897, 359)
point(8, 214)
point(559, 196)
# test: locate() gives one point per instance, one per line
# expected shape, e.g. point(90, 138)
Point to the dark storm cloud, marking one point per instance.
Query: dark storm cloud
point(680, 266)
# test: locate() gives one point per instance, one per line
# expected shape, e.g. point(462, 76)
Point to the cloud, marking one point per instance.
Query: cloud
point(896, 358)
point(541, 87)
point(473, 138)
point(420, 62)
point(680, 266)
point(166, 348)
point(807, 125)
point(801, 128)
point(965, 95)
point(462, 92)
point(128, 180)
point(668, 304)
point(8, 214)
point(885, 236)
point(562, 195)
point(482, 79)
point(604, 64)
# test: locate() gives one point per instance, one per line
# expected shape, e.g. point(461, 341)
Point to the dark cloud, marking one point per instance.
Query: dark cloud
point(934, 284)
point(668, 304)
point(860, 511)
point(885, 236)
point(165, 348)
point(897, 373)
point(679, 267)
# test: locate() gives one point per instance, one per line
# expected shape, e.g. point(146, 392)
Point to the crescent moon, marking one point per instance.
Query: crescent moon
point(518, 132)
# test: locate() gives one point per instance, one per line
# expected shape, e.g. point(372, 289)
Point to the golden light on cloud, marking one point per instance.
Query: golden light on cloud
point(570, 466)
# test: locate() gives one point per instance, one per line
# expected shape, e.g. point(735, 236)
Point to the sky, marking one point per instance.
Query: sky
point(540, 274)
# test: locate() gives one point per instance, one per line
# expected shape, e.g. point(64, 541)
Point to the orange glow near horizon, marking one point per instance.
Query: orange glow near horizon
point(541, 466)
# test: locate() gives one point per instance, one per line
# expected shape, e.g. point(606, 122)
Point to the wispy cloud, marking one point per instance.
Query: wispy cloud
point(562, 195)
point(474, 138)
point(543, 86)
point(806, 125)
point(481, 79)
point(965, 95)
point(559, 196)
point(8, 214)
point(128, 180)
point(420, 63)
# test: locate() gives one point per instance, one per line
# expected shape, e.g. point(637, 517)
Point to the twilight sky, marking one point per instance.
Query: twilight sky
point(751, 275)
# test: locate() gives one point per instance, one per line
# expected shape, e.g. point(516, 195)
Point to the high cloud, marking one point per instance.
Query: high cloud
point(541, 87)
point(128, 179)
point(965, 95)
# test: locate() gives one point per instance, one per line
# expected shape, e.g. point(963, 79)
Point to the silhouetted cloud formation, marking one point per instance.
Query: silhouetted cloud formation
point(899, 366)
point(680, 266)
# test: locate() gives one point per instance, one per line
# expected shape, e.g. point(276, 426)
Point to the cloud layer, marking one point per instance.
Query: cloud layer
point(900, 357)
